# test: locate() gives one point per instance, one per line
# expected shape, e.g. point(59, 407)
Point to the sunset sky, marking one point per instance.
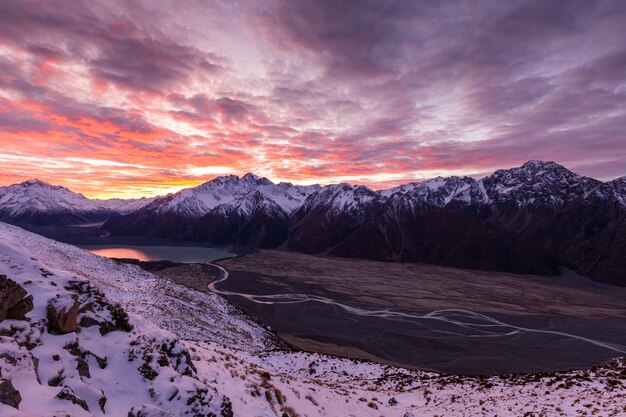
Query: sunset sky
point(120, 98)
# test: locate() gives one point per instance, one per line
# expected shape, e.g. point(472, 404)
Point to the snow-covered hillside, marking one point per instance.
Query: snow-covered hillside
point(190, 353)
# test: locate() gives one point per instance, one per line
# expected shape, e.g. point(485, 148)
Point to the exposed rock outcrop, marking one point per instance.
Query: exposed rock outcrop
point(9, 395)
point(69, 395)
point(14, 302)
point(19, 310)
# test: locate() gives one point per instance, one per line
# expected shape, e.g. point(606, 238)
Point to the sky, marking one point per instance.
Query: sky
point(125, 99)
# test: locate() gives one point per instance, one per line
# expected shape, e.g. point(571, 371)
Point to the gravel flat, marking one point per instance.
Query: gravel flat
point(423, 316)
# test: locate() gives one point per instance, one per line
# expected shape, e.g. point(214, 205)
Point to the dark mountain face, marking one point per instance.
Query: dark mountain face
point(61, 218)
point(256, 221)
point(152, 224)
point(587, 235)
point(328, 216)
point(407, 231)
point(577, 221)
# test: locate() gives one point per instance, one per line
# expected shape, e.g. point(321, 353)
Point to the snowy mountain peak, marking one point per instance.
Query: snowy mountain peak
point(536, 174)
point(341, 196)
point(251, 177)
point(538, 163)
point(547, 185)
point(34, 181)
point(199, 201)
point(437, 191)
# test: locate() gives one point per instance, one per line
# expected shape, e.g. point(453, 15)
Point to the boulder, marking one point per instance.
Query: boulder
point(9, 395)
point(13, 301)
point(62, 313)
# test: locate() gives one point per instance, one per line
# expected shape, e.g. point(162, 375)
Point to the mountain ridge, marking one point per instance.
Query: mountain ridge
point(41, 203)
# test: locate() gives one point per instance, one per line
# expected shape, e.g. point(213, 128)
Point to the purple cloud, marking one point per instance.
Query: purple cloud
point(308, 90)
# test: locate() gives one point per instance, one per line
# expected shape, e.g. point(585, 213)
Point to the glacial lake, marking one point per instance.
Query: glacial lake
point(184, 254)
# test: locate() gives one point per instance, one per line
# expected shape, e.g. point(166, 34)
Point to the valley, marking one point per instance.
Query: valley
point(420, 316)
point(429, 317)
point(189, 352)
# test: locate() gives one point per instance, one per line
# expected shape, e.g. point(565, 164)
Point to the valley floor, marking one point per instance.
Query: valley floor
point(452, 320)
point(191, 353)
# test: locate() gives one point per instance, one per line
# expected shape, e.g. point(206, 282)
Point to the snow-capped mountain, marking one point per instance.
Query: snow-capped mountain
point(437, 191)
point(544, 186)
point(39, 203)
point(340, 197)
point(537, 184)
point(198, 201)
point(227, 209)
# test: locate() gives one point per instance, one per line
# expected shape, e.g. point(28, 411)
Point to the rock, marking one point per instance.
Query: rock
point(102, 402)
point(69, 395)
point(106, 327)
point(102, 362)
point(9, 395)
point(87, 321)
point(12, 297)
point(86, 307)
point(83, 368)
point(56, 380)
point(148, 410)
point(62, 313)
point(19, 310)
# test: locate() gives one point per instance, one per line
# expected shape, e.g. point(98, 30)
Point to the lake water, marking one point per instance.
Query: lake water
point(184, 254)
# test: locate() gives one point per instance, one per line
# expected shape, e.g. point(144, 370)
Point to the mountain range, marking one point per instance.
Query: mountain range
point(529, 219)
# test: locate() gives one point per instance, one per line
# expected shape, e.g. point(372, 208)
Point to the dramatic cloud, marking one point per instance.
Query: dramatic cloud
point(147, 97)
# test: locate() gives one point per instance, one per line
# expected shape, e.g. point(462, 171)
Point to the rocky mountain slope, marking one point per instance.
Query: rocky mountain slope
point(109, 339)
point(530, 219)
point(36, 202)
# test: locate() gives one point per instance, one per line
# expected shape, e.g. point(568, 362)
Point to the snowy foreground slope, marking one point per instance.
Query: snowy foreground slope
point(190, 353)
